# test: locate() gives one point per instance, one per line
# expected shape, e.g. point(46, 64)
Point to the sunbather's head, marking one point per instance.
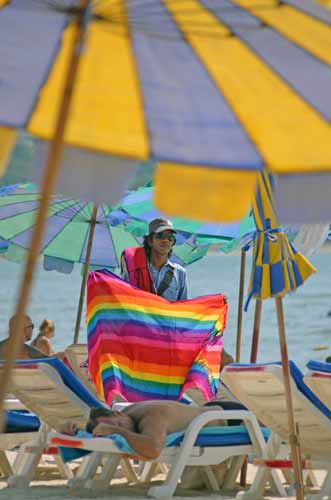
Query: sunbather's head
point(47, 328)
point(27, 327)
point(110, 417)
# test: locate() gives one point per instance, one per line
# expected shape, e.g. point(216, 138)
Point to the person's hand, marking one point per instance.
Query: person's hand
point(103, 429)
point(69, 428)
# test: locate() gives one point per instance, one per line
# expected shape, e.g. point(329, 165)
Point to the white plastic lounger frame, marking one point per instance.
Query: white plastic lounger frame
point(41, 389)
point(261, 389)
point(320, 384)
point(178, 457)
point(9, 441)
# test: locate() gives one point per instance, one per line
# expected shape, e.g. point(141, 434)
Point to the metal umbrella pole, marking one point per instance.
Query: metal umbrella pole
point(48, 184)
point(240, 304)
point(85, 273)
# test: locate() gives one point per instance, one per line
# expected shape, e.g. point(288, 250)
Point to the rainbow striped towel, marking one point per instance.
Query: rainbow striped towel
point(142, 346)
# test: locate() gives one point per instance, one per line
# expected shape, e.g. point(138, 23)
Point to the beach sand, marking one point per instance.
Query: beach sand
point(49, 486)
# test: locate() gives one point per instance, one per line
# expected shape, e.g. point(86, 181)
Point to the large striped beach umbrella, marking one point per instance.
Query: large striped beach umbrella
point(213, 90)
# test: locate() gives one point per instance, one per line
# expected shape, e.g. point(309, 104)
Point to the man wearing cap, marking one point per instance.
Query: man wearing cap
point(149, 268)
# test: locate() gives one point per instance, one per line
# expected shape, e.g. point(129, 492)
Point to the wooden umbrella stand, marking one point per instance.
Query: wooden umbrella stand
point(48, 184)
point(85, 273)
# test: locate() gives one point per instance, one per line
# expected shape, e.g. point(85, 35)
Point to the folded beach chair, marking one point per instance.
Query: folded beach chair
point(260, 387)
point(77, 355)
point(198, 446)
point(51, 391)
point(318, 380)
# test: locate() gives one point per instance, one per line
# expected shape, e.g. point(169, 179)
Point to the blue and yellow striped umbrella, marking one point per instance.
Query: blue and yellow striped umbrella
point(278, 268)
point(213, 90)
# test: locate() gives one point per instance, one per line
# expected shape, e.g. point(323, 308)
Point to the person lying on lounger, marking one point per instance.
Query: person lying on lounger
point(144, 425)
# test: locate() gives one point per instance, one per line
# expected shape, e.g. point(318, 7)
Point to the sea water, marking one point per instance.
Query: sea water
point(308, 326)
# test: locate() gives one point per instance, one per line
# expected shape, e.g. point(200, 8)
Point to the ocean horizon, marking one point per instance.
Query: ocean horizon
point(308, 326)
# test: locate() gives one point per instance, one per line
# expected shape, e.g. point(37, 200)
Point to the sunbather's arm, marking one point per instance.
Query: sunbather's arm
point(148, 444)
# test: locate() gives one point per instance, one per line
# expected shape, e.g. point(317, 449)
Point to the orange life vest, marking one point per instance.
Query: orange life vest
point(137, 267)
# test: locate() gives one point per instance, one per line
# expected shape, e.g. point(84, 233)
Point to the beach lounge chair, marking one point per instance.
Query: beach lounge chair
point(210, 446)
point(318, 380)
point(20, 428)
point(260, 388)
point(50, 390)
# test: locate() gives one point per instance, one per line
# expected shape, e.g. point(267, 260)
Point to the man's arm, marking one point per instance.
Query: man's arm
point(148, 443)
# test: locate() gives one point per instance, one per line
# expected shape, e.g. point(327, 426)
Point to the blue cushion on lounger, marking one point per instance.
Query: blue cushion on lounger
point(209, 436)
point(319, 366)
point(297, 376)
point(69, 379)
point(21, 421)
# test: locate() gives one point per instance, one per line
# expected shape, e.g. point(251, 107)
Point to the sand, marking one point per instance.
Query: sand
point(49, 486)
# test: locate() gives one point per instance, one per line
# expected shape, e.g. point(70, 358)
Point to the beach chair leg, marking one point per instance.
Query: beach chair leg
point(64, 469)
point(86, 471)
point(263, 474)
point(25, 467)
point(129, 471)
point(102, 482)
point(210, 478)
point(309, 478)
point(167, 489)
point(149, 470)
point(232, 474)
point(5, 467)
point(325, 491)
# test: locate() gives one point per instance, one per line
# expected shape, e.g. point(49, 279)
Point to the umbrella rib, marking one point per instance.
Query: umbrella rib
point(86, 238)
point(108, 225)
point(58, 233)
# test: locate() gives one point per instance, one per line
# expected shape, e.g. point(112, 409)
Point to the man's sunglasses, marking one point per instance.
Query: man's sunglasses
point(165, 236)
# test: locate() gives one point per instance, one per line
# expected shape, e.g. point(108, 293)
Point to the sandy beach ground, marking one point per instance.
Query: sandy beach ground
point(49, 486)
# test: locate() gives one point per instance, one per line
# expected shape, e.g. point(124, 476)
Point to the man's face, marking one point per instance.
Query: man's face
point(117, 420)
point(162, 242)
point(28, 329)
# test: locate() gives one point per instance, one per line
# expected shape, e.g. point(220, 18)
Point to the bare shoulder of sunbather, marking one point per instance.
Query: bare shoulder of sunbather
point(171, 415)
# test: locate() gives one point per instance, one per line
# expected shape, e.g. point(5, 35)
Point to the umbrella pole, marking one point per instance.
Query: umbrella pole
point(243, 471)
point(255, 342)
point(256, 330)
point(85, 273)
point(293, 435)
point(48, 183)
point(240, 303)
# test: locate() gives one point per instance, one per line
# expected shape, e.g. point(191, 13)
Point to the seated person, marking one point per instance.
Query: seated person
point(26, 351)
point(43, 340)
point(144, 425)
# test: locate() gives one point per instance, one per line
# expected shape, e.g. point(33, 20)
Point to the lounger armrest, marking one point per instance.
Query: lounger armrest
point(248, 418)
